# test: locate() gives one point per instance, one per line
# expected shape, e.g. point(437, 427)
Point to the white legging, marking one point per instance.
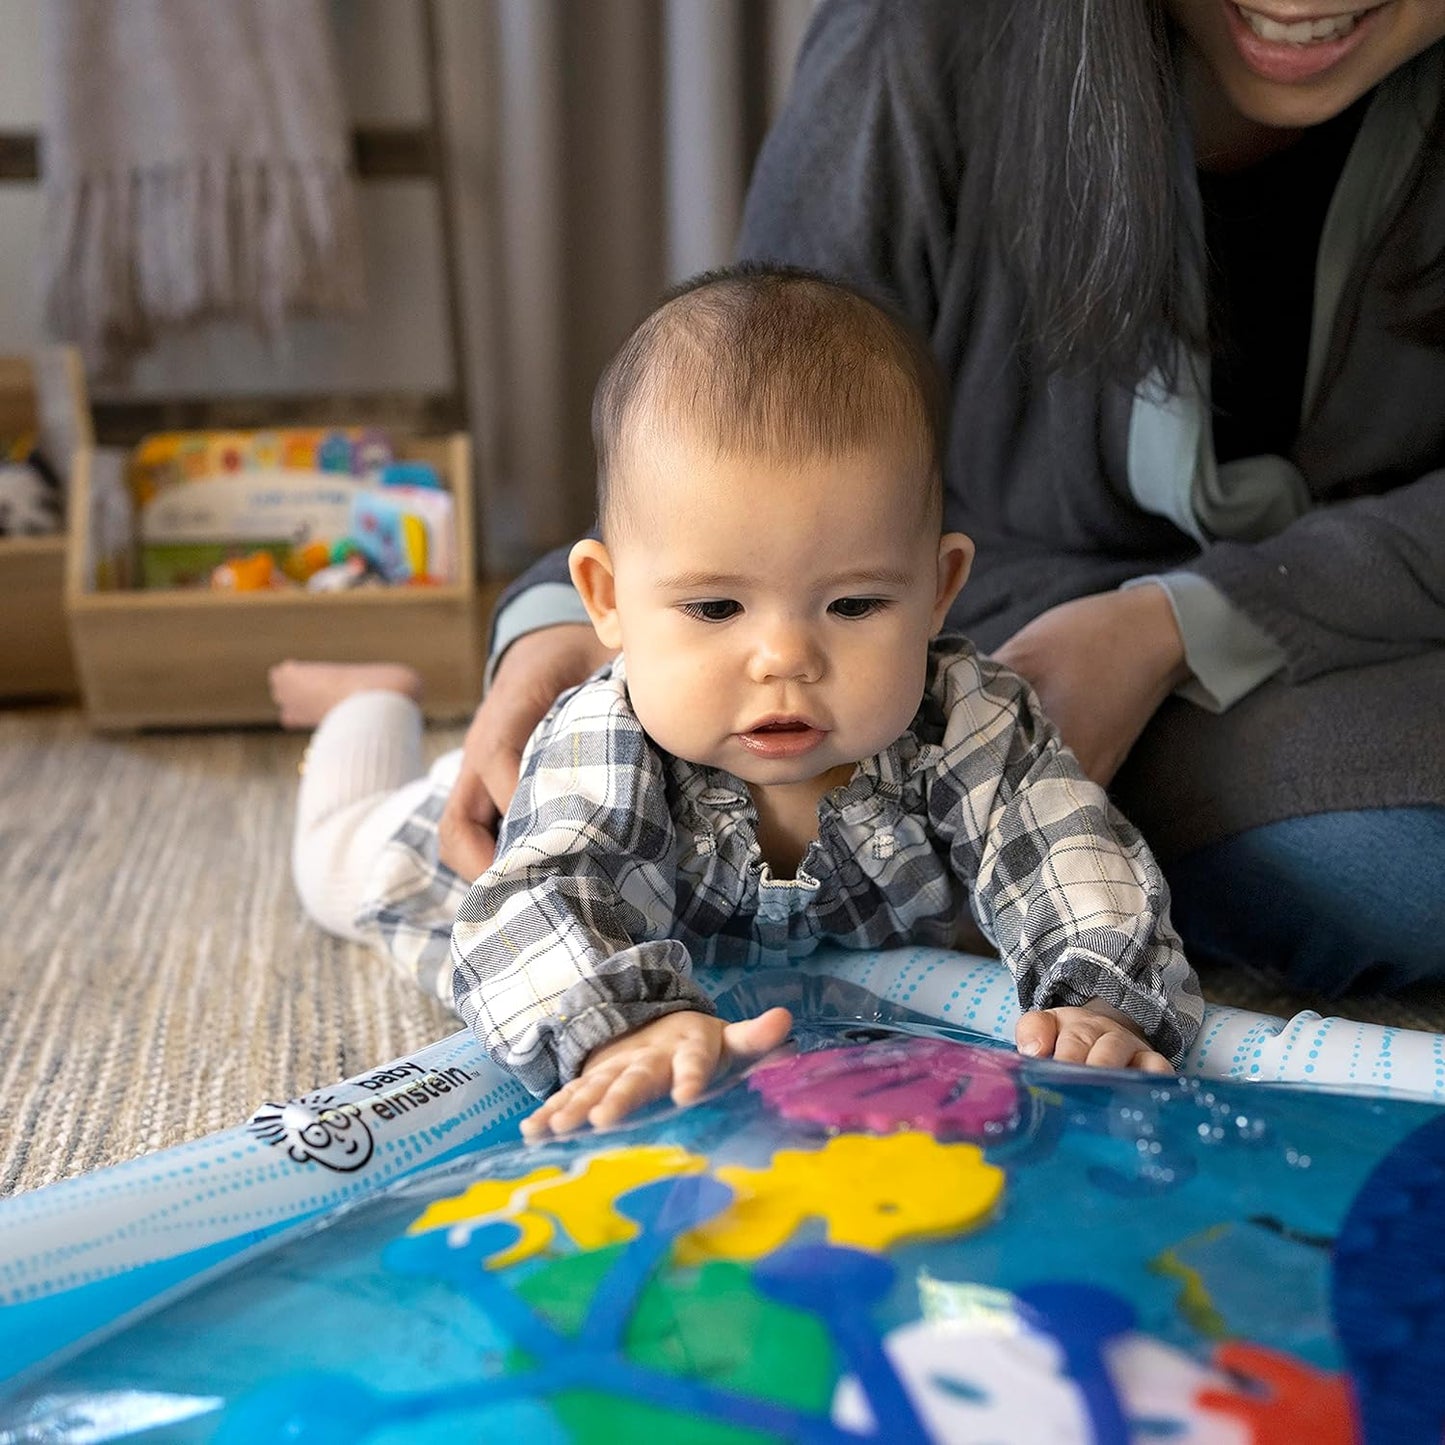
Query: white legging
point(364, 773)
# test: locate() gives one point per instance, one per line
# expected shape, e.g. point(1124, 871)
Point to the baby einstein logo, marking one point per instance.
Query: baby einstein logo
point(406, 1086)
point(315, 1129)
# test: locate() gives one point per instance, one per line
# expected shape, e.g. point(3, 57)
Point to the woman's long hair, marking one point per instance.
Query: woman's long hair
point(1077, 104)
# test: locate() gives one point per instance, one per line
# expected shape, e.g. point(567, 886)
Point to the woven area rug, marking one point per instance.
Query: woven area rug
point(158, 979)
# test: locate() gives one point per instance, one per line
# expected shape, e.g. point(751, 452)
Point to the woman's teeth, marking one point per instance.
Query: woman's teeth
point(1303, 32)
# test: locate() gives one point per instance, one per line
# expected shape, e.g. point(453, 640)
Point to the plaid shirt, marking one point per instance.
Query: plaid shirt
point(620, 867)
point(411, 898)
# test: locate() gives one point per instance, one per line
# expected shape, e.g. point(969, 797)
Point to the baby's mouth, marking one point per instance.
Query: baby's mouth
point(781, 737)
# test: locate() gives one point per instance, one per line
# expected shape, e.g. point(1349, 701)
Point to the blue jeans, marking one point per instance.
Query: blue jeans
point(1334, 901)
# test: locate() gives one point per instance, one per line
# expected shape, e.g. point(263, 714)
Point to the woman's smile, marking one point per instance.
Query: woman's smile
point(1289, 48)
point(1258, 72)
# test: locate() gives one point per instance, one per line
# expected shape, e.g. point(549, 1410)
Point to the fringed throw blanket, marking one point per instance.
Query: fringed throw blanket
point(196, 165)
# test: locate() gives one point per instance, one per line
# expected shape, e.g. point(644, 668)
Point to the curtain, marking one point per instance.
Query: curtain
point(602, 149)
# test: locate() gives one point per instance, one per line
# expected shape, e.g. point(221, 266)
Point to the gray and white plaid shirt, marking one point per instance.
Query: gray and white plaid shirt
point(619, 867)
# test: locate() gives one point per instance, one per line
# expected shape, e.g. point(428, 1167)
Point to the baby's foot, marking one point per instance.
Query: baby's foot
point(305, 692)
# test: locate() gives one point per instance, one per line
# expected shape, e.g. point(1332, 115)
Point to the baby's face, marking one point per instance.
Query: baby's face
point(775, 618)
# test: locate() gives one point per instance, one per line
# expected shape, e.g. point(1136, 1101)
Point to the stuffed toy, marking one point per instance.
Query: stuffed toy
point(29, 496)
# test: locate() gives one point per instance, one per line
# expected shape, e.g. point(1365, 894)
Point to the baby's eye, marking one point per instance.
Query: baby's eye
point(851, 609)
point(718, 610)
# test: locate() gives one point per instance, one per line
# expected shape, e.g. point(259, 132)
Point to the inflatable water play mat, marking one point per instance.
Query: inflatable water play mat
point(876, 1235)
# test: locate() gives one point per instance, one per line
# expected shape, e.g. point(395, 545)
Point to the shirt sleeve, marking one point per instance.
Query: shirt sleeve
point(541, 597)
point(1060, 882)
point(541, 603)
point(1347, 584)
point(562, 945)
point(1228, 654)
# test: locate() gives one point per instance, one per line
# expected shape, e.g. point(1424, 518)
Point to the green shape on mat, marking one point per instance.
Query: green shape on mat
point(709, 1324)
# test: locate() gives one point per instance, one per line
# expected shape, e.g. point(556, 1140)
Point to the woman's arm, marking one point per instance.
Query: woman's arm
point(1101, 665)
point(1347, 584)
point(543, 596)
point(537, 668)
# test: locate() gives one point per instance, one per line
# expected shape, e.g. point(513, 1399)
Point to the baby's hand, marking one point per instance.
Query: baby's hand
point(679, 1053)
point(1094, 1034)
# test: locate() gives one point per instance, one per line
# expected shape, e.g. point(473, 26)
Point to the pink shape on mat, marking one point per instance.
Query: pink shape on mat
point(952, 1091)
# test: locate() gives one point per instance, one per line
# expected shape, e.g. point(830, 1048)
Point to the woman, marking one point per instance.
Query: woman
point(1181, 262)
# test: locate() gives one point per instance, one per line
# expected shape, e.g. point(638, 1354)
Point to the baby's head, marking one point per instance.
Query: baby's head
point(769, 491)
point(771, 363)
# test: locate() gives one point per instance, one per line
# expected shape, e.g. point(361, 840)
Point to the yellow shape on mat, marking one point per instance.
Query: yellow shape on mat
point(494, 1199)
point(582, 1202)
point(482, 1200)
point(871, 1192)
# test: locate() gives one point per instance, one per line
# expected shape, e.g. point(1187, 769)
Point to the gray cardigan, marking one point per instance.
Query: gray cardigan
point(1310, 589)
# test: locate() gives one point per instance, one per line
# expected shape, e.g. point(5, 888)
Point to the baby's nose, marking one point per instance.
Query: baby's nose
point(789, 651)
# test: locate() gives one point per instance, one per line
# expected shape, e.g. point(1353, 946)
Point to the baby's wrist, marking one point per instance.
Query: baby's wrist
point(1115, 1015)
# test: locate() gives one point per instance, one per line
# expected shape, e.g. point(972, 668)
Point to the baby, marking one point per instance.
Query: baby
point(785, 752)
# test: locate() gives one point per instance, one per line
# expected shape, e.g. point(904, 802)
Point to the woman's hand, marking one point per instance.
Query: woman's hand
point(1101, 666)
point(533, 671)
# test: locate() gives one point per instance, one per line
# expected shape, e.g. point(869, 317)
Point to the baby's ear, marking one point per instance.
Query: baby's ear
point(590, 564)
point(955, 557)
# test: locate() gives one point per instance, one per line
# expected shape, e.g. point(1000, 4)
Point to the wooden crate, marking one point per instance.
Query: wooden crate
point(35, 654)
point(182, 658)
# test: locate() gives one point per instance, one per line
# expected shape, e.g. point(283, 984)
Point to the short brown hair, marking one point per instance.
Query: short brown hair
point(773, 361)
